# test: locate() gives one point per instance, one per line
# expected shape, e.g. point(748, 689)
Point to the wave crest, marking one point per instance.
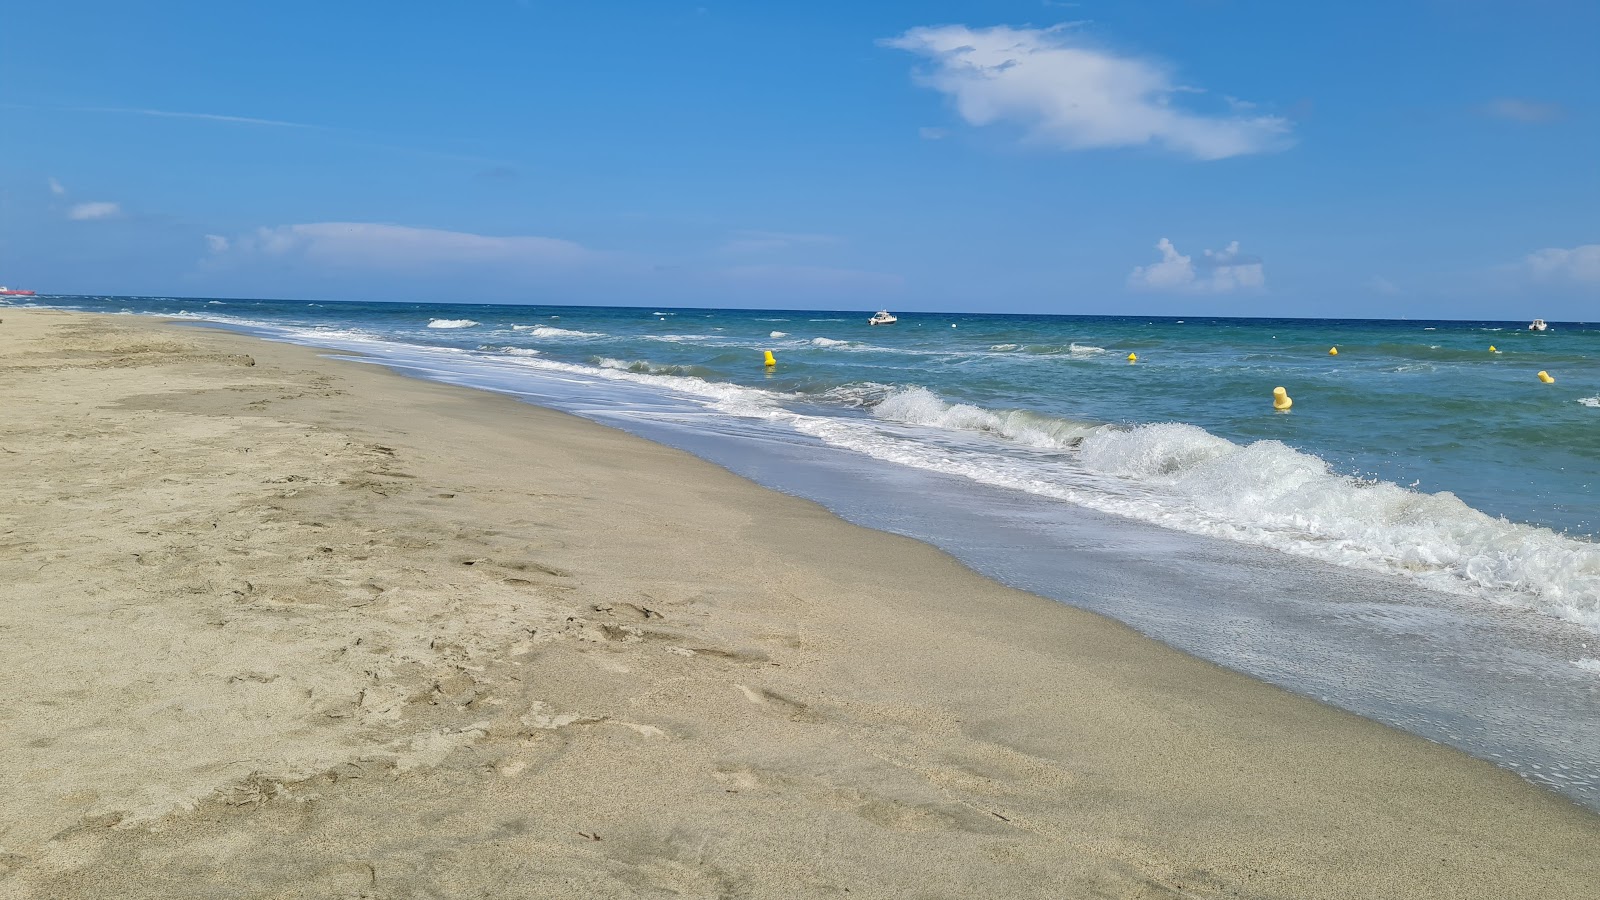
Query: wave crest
point(920, 406)
point(550, 331)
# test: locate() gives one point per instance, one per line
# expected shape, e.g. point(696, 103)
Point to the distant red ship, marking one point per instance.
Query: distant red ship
point(8, 292)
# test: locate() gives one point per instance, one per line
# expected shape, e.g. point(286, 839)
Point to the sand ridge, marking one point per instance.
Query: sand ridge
point(284, 626)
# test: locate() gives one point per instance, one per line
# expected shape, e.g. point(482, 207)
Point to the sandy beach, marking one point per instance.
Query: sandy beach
point(279, 625)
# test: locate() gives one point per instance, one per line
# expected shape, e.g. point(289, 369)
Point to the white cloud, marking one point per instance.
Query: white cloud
point(1215, 272)
point(98, 210)
point(761, 241)
point(1527, 111)
point(56, 188)
point(1579, 264)
point(206, 117)
point(1070, 94)
point(379, 247)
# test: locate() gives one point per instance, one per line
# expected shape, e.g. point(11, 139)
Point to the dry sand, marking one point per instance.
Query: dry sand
point(283, 626)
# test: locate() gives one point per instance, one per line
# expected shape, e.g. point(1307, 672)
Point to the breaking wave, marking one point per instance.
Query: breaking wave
point(1268, 493)
point(451, 323)
point(550, 331)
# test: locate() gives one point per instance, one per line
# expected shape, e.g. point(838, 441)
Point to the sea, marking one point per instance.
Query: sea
point(1416, 540)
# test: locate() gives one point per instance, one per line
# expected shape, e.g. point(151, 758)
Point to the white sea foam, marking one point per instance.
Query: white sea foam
point(679, 338)
point(1002, 348)
point(1588, 665)
point(1084, 350)
point(920, 406)
point(778, 334)
point(1266, 493)
point(828, 342)
point(550, 331)
point(451, 323)
point(1592, 402)
point(511, 351)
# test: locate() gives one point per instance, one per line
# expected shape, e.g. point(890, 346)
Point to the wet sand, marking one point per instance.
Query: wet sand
point(278, 625)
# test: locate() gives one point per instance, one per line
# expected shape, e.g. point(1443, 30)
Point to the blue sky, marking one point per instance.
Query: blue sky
point(1433, 158)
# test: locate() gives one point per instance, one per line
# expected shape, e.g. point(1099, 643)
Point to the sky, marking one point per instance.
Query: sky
point(1416, 158)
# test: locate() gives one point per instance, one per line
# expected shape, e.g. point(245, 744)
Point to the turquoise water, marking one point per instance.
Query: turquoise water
point(1416, 540)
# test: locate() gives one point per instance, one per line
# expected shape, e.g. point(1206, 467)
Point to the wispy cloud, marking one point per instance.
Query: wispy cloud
point(1215, 272)
point(1575, 265)
point(207, 117)
point(1381, 285)
point(347, 137)
point(56, 188)
point(1530, 112)
point(84, 212)
point(379, 247)
point(766, 241)
point(1065, 92)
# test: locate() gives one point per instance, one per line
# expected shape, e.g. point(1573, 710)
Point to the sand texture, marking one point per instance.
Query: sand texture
point(277, 625)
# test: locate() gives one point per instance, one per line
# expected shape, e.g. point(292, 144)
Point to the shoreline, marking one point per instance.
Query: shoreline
point(593, 636)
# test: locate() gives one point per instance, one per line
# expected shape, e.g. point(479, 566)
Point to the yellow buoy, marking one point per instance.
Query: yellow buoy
point(1545, 377)
point(771, 360)
point(1333, 351)
point(1280, 399)
point(1133, 357)
point(1492, 349)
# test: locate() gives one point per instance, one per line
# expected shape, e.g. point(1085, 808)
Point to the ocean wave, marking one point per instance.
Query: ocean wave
point(920, 406)
point(451, 323)
point(778, 334)
point(508, 351)
point(1074, 350)
point(653, 370)
point(856, 395)
point(828, 342)
point(550, 331)
point(1002, 348)
point(679, 338)
point(1266, 493)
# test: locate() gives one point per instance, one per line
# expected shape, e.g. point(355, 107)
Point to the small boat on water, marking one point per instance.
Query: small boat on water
point(8, 292)
point(1538, 325)
point(882, 317)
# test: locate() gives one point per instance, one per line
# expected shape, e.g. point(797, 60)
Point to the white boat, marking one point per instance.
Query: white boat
point(1538, 325)
point(882, 317)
